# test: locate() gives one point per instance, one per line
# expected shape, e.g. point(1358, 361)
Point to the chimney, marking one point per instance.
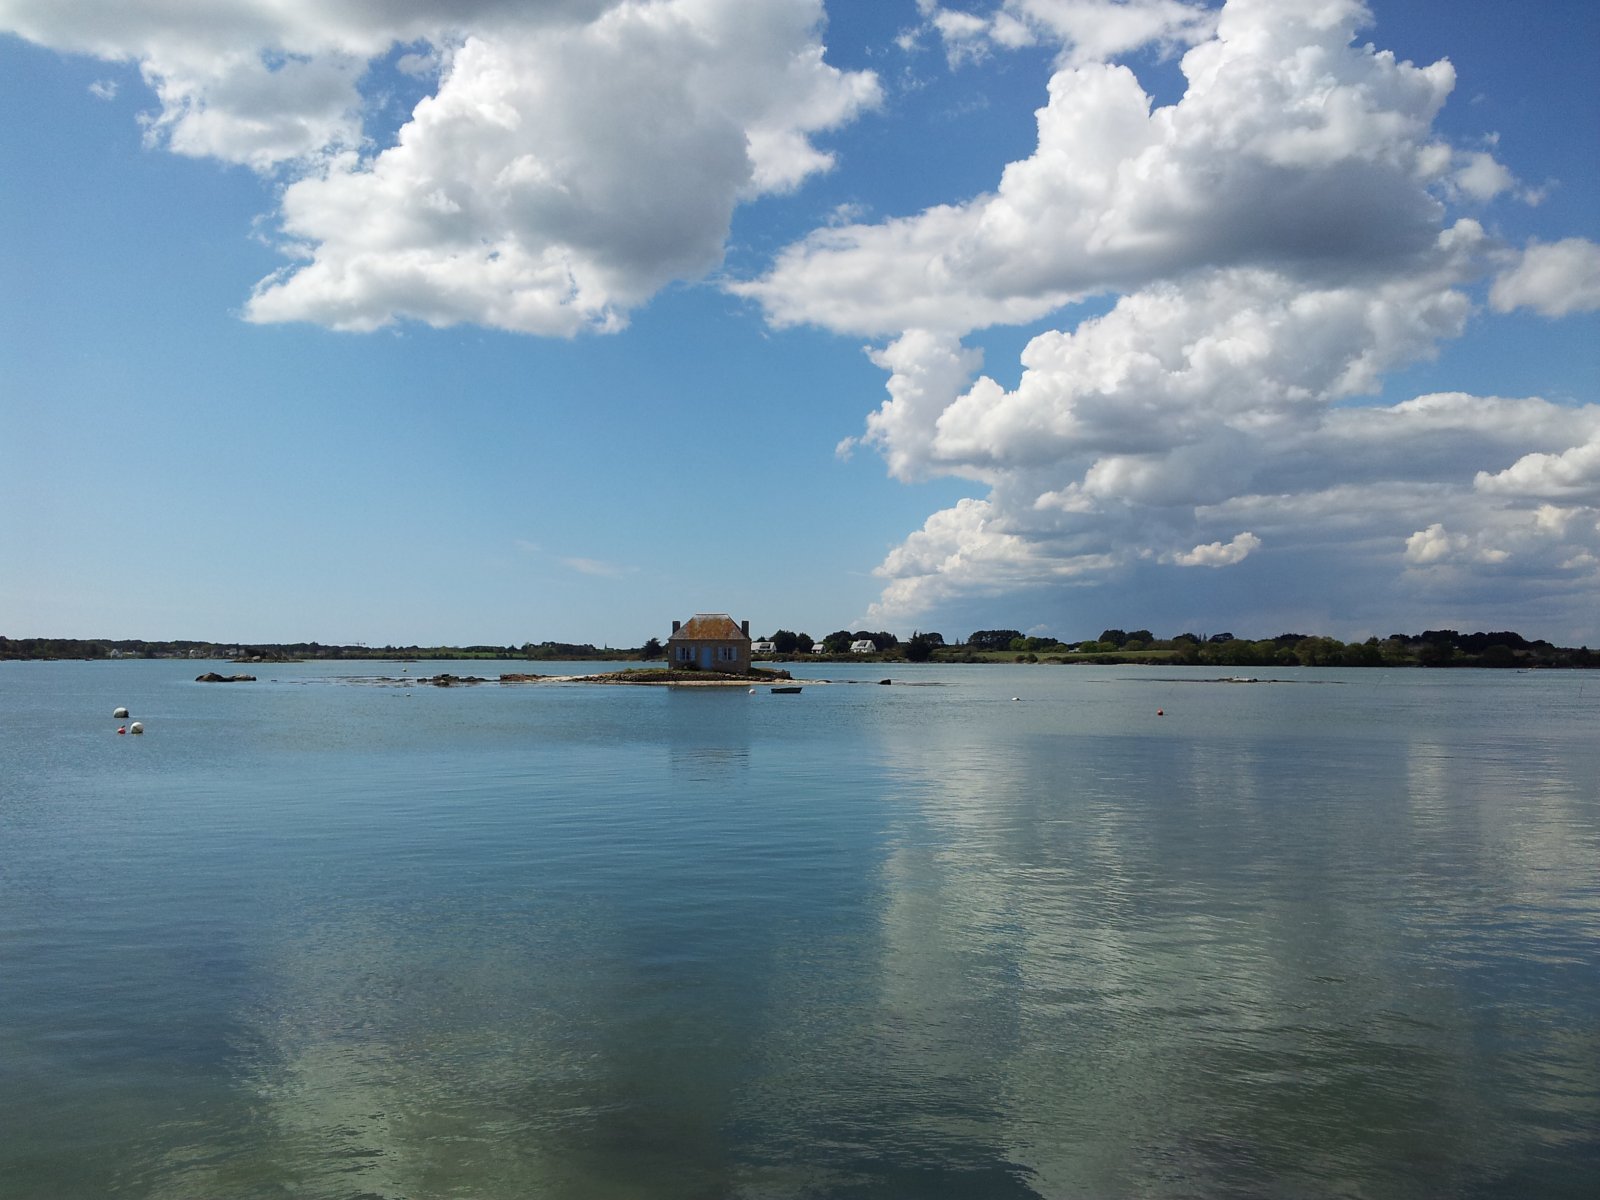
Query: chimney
point(744, 628)
point(675, 625)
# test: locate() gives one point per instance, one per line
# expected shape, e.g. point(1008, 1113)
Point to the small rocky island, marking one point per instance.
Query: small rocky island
point(678, 677)
point(657, 676)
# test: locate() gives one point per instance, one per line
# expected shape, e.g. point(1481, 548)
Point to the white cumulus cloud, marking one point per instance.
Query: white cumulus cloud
point(1572, 475)
point(1219, 554)
point(576, 156)
point(1279, 241)
point(1482, 178)
point(259, 82)
point(1555, 279)
point(1292, 149)
point(1433, 545)
point(1086, 30)
point(1156, 432)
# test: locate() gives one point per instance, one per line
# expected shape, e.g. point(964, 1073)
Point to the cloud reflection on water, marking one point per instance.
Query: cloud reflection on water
point(900, 941)
point(1239, 962)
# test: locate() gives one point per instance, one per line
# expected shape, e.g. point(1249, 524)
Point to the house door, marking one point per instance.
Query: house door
point(706, 661)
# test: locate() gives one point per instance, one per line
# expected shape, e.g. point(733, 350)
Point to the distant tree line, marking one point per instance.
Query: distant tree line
point(1431, 648)
point(786, 641)
point(97, 648)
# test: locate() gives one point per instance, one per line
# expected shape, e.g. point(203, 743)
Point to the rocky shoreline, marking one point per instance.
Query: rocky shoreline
point(669, 677)
point(648, 677)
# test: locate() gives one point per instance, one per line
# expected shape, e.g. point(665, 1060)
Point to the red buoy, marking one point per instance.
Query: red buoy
point(1161, 712)
point(122, 729)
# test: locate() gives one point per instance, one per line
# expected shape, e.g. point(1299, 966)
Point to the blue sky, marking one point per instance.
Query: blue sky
point(499, 321)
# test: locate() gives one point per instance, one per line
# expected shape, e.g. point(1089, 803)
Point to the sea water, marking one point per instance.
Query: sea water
point(989, 931)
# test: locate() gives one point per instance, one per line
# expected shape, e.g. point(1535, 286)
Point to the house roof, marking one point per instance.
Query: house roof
point(710, 627)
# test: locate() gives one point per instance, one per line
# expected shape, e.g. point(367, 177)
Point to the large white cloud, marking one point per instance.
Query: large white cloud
point(1281, 240)
point(1291, 149)
point(261, 82)
point(1205, 421)
point(1278, 240)
point(1572, 475)
point(577, 155)
point(1173, 365)
point(1375, 492)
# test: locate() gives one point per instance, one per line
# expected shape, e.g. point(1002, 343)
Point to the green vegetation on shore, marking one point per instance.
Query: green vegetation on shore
point(1432, 648)
point(90, 648)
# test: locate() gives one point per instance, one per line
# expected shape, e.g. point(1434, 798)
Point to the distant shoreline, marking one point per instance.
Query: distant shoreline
point(1433, 648)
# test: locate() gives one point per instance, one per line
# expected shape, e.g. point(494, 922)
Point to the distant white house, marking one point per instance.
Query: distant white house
point(863, 646)
point(763, 648)
point(818, 648)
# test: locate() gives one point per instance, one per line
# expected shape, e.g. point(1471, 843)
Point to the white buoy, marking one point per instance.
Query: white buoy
point(1016, 697)
point(120, 713)
point(752, 691)
point(136, 727)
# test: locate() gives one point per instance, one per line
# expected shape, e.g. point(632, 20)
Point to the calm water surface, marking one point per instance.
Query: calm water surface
point(319, 936)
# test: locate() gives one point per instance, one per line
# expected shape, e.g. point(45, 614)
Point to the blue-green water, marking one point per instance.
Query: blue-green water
point(314, 937)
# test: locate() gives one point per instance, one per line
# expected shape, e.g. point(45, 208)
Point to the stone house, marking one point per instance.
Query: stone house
point(710, 642)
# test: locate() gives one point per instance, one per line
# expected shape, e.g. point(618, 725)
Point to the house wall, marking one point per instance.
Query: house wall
point(733, 657)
